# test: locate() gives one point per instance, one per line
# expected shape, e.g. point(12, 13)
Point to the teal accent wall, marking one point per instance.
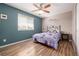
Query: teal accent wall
point(9, 29)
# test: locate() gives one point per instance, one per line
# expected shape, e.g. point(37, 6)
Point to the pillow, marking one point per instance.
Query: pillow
point(54, 31)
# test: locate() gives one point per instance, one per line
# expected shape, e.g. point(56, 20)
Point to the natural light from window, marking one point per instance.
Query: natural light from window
point(25, 22)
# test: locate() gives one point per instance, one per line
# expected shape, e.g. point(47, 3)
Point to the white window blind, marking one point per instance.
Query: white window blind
point(25, 22)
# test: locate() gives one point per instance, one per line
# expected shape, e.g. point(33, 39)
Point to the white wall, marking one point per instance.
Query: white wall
point(64, 19)
point(75, 28)
point(74, 12)
point(78, 29)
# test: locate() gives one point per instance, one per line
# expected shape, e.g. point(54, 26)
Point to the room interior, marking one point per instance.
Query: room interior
point(21, 23)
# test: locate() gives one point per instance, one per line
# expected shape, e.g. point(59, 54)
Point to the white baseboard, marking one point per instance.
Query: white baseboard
point(15, 43)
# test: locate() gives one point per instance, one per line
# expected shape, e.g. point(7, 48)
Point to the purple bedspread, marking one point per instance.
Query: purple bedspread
point(48, 38)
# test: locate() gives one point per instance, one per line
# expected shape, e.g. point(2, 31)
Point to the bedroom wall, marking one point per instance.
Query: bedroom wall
point(74, 28)
point(64, 19)
point(9, 30)
point(77, 41)
point(0, 28)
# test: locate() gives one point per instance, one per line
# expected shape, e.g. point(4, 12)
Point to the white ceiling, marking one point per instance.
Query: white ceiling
point(55, 8)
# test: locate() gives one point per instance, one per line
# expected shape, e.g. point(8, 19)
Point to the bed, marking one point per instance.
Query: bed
point(50, 38)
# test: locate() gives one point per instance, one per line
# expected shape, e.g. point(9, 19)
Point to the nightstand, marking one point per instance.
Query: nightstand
point(65, 37)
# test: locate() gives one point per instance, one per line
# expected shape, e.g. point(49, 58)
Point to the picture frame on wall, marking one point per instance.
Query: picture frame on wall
point(3, 16)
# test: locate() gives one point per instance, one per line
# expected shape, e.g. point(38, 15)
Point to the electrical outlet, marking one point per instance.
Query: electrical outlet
point(4, 40)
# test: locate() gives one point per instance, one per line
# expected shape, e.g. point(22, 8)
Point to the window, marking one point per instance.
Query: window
point(25, 22)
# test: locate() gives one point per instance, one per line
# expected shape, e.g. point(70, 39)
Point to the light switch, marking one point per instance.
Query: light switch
point(4, 40)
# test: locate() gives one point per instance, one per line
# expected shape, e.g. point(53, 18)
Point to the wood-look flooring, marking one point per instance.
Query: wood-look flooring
point(29, 48)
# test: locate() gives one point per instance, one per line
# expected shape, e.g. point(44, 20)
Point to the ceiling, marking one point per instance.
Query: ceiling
point(55, 8)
